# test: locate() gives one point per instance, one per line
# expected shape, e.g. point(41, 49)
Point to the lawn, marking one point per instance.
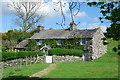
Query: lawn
point(25, 70)
point(104, 67)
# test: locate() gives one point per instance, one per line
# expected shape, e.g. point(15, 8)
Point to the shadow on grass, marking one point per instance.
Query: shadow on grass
point(22, 78)
point(37, 78)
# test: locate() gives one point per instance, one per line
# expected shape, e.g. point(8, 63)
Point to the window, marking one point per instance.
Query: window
point(40, 42)
point(83, 41)
point(59, 42)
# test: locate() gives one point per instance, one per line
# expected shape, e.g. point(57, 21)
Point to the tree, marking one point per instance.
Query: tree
point(74, 8)
point(27, 13)
point(111, 12)
point(11, 38)
point(10, 44)
point(20, 35)
point(3, 36)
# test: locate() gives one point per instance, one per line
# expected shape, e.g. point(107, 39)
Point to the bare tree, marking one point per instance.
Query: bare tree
point(27, 13)
point(9, 43)
point(72, 7)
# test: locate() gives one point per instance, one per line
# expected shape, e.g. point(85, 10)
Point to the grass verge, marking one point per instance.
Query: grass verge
point(25, 70)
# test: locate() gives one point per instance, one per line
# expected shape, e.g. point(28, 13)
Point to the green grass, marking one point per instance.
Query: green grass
point(104, 67)
point(25, 70)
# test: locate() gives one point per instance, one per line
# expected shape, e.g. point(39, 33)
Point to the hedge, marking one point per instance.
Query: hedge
point(61, 52)
point(15, 55)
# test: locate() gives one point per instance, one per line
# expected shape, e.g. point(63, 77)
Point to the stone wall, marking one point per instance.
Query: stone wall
point(39, 59)
point(26, 61)
point(66, 58)
point(98, 48)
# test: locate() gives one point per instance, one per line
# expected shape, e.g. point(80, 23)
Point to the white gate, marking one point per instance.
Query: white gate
point(48, 59)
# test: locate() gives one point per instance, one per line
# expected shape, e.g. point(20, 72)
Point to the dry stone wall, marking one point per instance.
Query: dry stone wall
point(66, 58)
point(39, 59)
point(21, 61)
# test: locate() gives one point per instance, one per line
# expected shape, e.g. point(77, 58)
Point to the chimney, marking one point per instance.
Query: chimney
point(40, 28)
point(72, 26)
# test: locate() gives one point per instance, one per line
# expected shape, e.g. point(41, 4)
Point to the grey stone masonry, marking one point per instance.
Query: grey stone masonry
point(39, 59)
point(66, 58)
point(98, 48)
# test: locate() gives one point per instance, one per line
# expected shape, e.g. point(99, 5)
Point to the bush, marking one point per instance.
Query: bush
point(61, 52)
point(15, 55)
point(105, 43)
point(118, 52)
point(80, 48)
point(104, 39)
point(115, 49)
point(4, 49)
point(118, 47)
point(9, 55)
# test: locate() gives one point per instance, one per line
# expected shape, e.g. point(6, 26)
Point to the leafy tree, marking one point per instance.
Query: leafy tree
point(3, 36)
point(11, 38)
point(111, 12)
point(18, 36)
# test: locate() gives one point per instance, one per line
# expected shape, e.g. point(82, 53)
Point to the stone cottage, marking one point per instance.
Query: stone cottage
point(91, 39)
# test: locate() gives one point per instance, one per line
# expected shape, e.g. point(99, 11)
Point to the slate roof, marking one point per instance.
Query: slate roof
point(22, 43)
point(59, 34)
point(64, 34)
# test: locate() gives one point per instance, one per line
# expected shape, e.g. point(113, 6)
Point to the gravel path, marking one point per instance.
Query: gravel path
point(45, 71)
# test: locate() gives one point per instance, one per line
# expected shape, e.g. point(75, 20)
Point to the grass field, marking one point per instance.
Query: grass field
point(104, 67)
point(25, 70)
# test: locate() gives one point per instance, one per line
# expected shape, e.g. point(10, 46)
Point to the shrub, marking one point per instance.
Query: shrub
point(105, 43)
point(115, 49)
point(9, 55)
point(80, 48)
point(61, 52)
point(118, 52)
point(15, 55)
point(104, 39)
point(118, 47)
point(4, 49)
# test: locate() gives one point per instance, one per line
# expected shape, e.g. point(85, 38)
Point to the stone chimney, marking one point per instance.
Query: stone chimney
point(72, 26)
point(40, 28)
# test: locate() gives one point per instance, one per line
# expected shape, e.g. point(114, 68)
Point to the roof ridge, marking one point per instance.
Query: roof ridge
point(76, 29)
point(54, 29)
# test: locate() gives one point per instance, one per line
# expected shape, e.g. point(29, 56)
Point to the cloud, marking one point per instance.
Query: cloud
point(95, 19)
point(50, 7)
point(80, 14)
point(47, 8)
point(94, 25)
point(83, 24)
point(4, 8)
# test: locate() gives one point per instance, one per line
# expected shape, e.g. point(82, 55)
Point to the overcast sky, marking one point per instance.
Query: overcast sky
point(88, 17)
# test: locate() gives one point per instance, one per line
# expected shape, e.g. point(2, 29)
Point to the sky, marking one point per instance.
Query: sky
point(88, 17)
